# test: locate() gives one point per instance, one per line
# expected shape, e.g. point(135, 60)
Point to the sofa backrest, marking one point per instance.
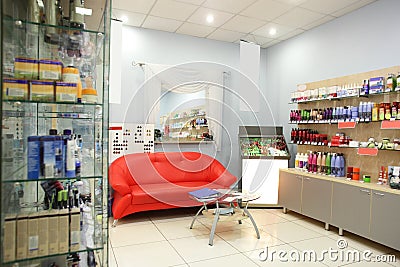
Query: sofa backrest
point(162, 167)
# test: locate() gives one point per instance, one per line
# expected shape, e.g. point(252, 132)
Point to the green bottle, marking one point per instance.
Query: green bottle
point(328, 164)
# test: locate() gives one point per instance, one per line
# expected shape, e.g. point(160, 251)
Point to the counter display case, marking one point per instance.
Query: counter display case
point(54, 150)
point(263, 152)
point(266, 146)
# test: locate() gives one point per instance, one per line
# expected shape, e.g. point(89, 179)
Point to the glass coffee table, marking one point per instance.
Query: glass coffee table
point(227, 209)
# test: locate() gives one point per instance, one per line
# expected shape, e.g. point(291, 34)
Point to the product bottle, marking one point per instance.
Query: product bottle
point(296, 162)
point(398, 83)
point(360, 110)
point(309, 162)
point(369, 111)
point(337, 165)
point(381, 111)
point(59, 169)
point(333, 165)
point(340, 162)
point(375, 111)
point(394, 110)
point(398, 110)
point(319, 162)
point(341, 165)
point(323, 163)
point(314, 162)
point(388, 111)
point(328, 164)
point(391, 83)
point(300, 167)
point(69, 146)
point(305, 160)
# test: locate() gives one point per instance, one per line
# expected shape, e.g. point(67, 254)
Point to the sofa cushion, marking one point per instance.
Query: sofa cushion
point(166, 192)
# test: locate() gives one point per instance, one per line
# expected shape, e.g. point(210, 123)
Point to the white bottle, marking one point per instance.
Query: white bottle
point(296, 161)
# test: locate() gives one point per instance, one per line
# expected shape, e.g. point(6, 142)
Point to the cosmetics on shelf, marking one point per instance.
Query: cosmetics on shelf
point(364, 112)
point(321, 163)
point(374, 85)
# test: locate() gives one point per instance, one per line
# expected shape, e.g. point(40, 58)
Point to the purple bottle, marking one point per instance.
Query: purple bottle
point(341, 165)
point(333, 165)
point(338, 162)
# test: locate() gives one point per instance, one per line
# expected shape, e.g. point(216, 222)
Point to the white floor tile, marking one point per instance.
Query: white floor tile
point(231, 260)
point(317, 226)
point(363, 244)
point(180, 228)
point(290, 215)
point(324, 243)
point(224, 226)
point(246, 239)
point(364, 263)
point(265, 218)
point(282, 255)
point(157, 254)
point(134, 234)
point(172, 214)
point(111, 259)
point(289, 232)
point(396, 254)
point(196, 248)
point(136, 218)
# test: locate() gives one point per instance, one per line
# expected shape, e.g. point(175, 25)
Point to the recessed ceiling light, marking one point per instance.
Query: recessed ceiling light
point(124, 19)
point(210, 18)
point(272, 31)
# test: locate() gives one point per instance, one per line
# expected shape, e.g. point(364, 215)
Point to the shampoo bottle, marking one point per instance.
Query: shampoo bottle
point(333, 165)
point(328, 164)
point(319, 162)
point(323, 163)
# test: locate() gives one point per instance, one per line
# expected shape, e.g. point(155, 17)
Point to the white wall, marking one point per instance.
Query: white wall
point(143, 45)
point(363, 40)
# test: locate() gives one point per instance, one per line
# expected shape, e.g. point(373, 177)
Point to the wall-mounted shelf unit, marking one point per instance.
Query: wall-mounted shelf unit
point(362, 130)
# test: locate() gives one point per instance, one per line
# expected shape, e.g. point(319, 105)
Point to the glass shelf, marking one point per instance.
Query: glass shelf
point(54, 255)
point(19, 22)
point(54, 178)
point(53, 103)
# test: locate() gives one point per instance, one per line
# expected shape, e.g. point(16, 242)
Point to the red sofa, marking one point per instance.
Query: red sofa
point(162, 180)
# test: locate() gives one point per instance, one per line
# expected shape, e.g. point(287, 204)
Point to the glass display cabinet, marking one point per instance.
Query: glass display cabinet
point(54, 158)
point(263, 151)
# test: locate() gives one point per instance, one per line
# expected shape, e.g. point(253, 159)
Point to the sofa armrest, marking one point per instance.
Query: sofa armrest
point(221, 176)
point(119, 180)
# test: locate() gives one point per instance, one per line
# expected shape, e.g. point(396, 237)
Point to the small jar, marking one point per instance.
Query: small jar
point(356, 174)
point(350, 172)
point(366, 178)
point(89, 95)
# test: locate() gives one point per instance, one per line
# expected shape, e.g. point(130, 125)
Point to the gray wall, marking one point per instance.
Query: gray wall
point(143, 45)
point(361, 41)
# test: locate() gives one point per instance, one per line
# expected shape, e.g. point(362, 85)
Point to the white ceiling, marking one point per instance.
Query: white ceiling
point(234, 20)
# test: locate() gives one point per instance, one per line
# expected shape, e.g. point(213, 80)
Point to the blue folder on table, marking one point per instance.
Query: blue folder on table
point(204, 193)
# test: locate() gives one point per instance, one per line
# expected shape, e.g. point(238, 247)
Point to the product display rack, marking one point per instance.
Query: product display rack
point(360, 130)
point(183, 126)
point(49, 215)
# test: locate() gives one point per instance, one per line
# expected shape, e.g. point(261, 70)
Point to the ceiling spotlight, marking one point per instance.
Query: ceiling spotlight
point(272, 31)
point(210, 18)
point(124, 19)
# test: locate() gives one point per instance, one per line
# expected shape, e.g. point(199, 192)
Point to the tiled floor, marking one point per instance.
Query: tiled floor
point(163, 238)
